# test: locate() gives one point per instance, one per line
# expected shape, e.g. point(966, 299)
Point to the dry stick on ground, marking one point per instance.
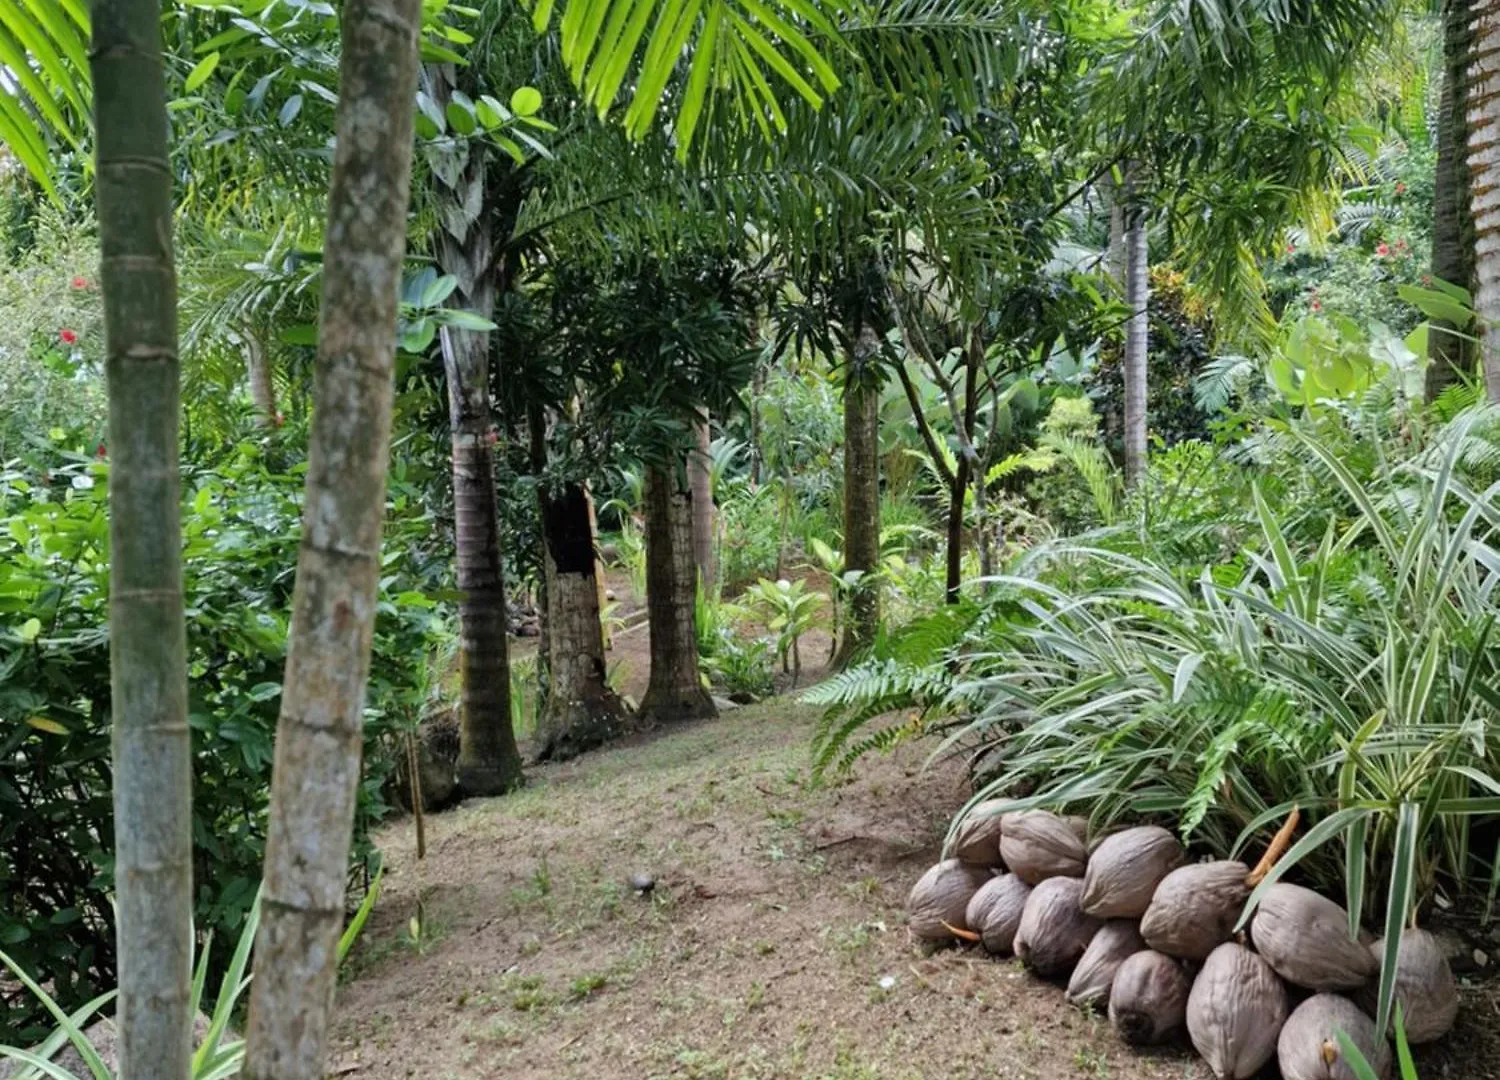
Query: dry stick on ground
point(148, 650)
point(316, 773)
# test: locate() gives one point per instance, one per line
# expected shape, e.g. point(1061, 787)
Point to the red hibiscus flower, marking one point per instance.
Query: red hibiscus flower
point(1317, 305)
point(68, 337)
point(1382, 250)
point(100, 452)
point(1400, 188)
point(80, 282)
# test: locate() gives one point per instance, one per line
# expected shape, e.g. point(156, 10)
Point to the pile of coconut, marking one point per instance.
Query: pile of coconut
point(1147, 937)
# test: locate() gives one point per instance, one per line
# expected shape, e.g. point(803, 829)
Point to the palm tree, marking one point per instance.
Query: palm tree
point(489, 762)
point(1135, 362)
point(1484, 168)
point(315, 777)
point(1452, 224)
point(148, 641)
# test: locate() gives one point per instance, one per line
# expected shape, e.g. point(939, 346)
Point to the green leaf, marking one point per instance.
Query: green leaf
point(1316, 837)
point(526, 101)
point(464, 320)
point(51, 727)
point(30, 629)
point(1355, 1058)
point(438, 290)
point(1436, 304)
point(461, 118)
point(490, 112)
point(1398, 908)
point(302, 334)
point(201, 71)
point(289, 110)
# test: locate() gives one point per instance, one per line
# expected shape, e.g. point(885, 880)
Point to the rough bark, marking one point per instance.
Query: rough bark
point(319, 734)
point(861, 515)
point(262, 387)
point(489, 761)
point(676, 690)
point(1137, 344)
point(1450, 355)
point(148, 652)
point(582, 712)
point(1484, 166)
point(701, 483)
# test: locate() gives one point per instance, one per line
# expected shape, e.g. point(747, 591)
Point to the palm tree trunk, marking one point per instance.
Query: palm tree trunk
point(489, 761)
point(701, 483)
point(581, 712)
point(1484, 167)
point(148, 650)
point(319, 735)
point(1452, 227)
point(262, 387)
point(1137, 343)
point(861, 515)
point(676, 690)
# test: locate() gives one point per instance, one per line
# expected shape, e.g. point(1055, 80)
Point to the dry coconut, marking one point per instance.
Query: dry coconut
point(1305, 938)
point(1125, 869)
point(994, 912)
point(941, 896)
point(977, 838)
point(1054, 931)
point(1037, 845)
point(1195, 908)
point(1116, 940)
point(1148, 999)
point(1309, 1048)
point(1235, 1012)
point(1424, 986)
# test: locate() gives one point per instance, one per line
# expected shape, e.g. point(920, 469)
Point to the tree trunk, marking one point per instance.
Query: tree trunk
point(861, 515)
point(1450, 355)
point(262, 388)
point(700, 481)
point(147, 635)
point(968, 464)
point(1137, 344)
point(319, 735)
point(489, 762)
point(582, 712)
point(676, 690)
point(1484, 166)
point(1115, 261)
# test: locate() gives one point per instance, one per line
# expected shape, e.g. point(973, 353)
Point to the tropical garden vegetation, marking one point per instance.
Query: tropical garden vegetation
point(1098, 392)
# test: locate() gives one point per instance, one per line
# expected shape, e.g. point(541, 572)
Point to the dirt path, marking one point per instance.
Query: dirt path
point(777, 913)
point(778, 910)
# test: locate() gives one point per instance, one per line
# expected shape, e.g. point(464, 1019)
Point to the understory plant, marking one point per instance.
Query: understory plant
point(220, 1053)
point(790, 610)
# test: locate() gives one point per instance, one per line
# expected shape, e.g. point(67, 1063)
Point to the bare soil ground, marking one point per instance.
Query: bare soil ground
point(777, 913)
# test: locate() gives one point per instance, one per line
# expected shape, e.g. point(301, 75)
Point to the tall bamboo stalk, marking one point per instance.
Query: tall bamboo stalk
point(148, 651)
point(318, 737)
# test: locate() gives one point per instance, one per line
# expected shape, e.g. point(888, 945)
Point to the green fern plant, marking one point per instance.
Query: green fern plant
point(909, 674)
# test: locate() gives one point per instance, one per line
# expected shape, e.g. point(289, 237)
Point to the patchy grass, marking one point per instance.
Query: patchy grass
point(772, 946)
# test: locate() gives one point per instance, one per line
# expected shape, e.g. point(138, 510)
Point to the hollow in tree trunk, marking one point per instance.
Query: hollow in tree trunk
point(1484, 171)
point(700, 480)
point(318, 737)
point(1137, 343)
point(861, 515)
point(676, 690)
point(147, 639)
point(1451, 355)
point(581, 712)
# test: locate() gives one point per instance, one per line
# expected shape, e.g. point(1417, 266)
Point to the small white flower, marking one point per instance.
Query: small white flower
point(887, 981)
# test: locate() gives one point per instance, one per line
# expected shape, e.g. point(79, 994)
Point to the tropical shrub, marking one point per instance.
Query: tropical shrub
point(56, 820)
